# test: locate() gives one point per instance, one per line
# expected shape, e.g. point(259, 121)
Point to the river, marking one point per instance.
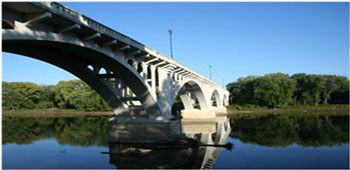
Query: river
point(288, 140)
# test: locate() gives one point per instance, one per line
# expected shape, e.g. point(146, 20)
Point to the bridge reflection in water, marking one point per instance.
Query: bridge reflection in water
point(210, 132)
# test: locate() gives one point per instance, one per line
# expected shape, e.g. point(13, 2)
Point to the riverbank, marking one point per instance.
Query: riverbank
point(343, 109)
point(298, 109)
point(54, 113)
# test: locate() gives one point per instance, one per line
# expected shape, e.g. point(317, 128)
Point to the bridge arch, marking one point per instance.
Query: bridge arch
point(74, 55)
point(224, 100)
point(185, 90)
point(215, 99)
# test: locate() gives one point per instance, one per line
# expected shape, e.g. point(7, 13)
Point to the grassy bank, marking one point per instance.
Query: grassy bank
point(54, 113)
point(296, 108)
point(231, 109)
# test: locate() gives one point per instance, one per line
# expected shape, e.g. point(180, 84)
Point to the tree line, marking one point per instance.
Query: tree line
point(73, 94)
point(277, 90)
point(271, 90)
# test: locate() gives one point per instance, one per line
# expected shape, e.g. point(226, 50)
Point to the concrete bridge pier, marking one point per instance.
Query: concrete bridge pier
point(138, 127)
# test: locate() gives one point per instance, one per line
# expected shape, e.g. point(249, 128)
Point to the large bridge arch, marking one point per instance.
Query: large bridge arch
point(73, 55)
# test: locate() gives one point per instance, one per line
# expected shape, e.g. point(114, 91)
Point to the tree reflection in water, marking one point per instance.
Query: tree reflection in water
point(285, 129)
point(79, 131)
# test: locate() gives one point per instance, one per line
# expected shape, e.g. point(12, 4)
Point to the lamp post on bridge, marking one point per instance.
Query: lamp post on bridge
point(210, 72)
point(171, 42)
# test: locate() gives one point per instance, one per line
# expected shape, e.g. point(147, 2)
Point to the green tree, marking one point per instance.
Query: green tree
point(242, 91)
point(341, 95)
point(313, 89)
point(330, 87)
point(76, 94)
point(274, 90)
point(46, 99)
point(301, 94)
point(11, 99)
point(19, 95)
point(30, 91)
point(316, 84)
point(73, 94)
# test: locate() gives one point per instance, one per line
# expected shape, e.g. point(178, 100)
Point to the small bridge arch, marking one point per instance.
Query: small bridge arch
point(216, 99)
point(189, 91)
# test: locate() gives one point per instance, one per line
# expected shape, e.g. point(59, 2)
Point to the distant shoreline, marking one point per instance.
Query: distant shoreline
point(55, 113)
point(339, 110)
point(299, 109)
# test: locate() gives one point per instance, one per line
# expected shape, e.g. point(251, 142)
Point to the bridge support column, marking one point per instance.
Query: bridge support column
point(186, 101)
point(165, 92)
point(144, 70)
point(118, 86)
point(153, 80)
point(142, 130)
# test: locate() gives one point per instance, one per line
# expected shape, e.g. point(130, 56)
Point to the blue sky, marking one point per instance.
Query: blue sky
point(236, 38)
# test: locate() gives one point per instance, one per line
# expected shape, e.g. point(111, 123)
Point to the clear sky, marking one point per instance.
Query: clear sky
point(237, 39)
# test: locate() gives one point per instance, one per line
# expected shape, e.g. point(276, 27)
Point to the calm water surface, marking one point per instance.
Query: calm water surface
point(260, 141)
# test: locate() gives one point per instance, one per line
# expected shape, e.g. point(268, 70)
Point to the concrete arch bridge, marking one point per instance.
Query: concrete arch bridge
point(138, 82)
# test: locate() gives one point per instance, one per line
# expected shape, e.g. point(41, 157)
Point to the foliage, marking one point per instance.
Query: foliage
point(76, 94)
point(316, 89)
point(20, 95)
point(279, 90)
point(11, 99)
point(273, 90)
point(73, 94)
point(242, 91)
point(341, 94)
